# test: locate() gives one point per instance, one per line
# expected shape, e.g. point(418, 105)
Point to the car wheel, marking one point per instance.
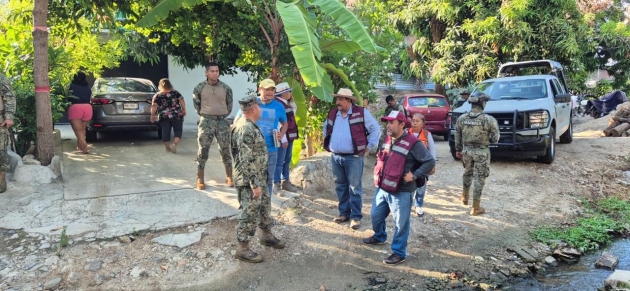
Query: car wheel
point(445, 136)
point(453, 154)
point(567, 136)
point(90, 135)
point(550, 153)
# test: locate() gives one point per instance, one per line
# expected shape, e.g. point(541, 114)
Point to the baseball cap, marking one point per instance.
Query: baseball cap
point(283, 88)
point(267, 83)
point(394, 115)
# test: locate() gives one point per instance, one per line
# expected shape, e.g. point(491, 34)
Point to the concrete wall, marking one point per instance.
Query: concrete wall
point(185, 81)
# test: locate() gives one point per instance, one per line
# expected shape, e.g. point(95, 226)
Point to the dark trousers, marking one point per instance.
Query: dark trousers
point(167, 124)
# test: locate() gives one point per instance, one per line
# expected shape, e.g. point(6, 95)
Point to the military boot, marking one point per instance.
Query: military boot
point(465, 195)
point(200, 184)
point(243, 253)
point(268, 239)
point(477, 210)
point(286, 185)
point(3, 182)
point(228, 176)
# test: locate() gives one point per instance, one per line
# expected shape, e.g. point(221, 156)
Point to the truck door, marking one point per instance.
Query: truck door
point(563, 110)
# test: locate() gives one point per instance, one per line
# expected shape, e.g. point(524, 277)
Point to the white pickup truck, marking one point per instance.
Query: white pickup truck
point(533, 107)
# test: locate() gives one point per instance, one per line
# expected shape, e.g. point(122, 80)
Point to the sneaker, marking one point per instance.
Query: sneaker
point(419, 211)
point(372, 241)
point(355, 224)
point(276, 189)
point(393, 259)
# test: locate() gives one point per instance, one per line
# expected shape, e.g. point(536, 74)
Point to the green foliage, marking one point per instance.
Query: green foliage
point(63, 239)
point(603, 87)
point(69, 51)
point(603, 218)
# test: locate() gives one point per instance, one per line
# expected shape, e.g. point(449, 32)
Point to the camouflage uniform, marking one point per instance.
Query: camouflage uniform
point(211, 127)
point(249, 152)
point(474, 132)
point(7, 110)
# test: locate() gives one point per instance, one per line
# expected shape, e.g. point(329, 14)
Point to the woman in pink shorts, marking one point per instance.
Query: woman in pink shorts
point(80, 112)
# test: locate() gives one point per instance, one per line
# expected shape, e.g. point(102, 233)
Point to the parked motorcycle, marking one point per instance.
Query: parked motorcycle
point(603, 105)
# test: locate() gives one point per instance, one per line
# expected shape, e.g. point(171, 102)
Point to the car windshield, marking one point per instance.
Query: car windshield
point(515, 89)
point(123, 86)
point(426, 101)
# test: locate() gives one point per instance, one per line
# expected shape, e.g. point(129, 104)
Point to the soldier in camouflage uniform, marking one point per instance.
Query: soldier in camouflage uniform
point(474, 132)
point(212, 100)
point(7, 109)
point(250, 160)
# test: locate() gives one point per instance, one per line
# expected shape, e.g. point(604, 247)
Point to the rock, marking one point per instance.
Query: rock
point(44, 269)
point(620, 278)
point(313, 174)
point(569, 255)
point(15, 236)
point(181, 240)
point(532, 252)
point(479, 259)
point(52, 260)
point(52, 283)
point(99, 279)
point(32, 174)
point(138, 272)
point(551, 261)
point(607, 261)
point(94, 265)
point(55, 166)
point(523, 254)
point(124, 239)
point(44, 246)
point(182, 263)
point(233, 252)
point(74, 277)
point(14, 161)
point(30, 160)
point(202, 255)
point(18, 249)
point(216, 253)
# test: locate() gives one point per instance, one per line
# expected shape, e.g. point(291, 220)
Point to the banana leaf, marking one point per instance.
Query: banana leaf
point(339, 45)
point(300, 117)
point(162, 9)
point(331, 68)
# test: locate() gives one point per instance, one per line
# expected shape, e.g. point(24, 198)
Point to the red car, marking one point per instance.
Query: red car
point(434, 107)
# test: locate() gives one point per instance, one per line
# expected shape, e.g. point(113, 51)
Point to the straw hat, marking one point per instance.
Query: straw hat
point(346, 93)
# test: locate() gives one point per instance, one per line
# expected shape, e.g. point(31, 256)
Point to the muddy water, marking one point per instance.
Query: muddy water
point(584, 275)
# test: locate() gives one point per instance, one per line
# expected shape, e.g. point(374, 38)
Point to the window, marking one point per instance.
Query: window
point(515, 89)
point(123, 86)
point(426, 101)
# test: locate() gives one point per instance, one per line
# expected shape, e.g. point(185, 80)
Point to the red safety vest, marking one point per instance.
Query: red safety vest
point(358, 131)
point(292, 130)
point(390, 163)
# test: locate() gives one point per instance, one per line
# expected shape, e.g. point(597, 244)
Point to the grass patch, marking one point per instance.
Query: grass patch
point(603, 220)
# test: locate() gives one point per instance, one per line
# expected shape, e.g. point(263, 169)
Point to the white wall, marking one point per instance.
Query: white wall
point(185, 81)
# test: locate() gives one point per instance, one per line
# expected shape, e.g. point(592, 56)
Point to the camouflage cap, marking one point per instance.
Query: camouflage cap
point(478, 97)
point(249, 101)
point(465, 92)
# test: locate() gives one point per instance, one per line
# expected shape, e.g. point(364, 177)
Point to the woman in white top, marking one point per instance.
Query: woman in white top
point(424, 136)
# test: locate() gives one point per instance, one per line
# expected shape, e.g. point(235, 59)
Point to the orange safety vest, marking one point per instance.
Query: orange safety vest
point(423, 137)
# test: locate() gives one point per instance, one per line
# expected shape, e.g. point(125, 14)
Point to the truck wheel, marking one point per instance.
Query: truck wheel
point(453, 154)
point(446, 135)
point(550, 153)
point(567, 136)
point(90, 135)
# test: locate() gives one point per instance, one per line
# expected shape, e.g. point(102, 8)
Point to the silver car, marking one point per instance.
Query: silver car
point(121, 104)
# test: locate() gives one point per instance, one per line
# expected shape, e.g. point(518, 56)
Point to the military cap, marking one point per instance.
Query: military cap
point(478, 97)
point(465, 92)
point(249, 101)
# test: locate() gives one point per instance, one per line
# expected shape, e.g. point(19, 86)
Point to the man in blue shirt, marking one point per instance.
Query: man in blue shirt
point(350, 132)
point(273, 116)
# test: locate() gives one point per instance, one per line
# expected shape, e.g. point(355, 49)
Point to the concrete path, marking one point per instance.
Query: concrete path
point(127, 183)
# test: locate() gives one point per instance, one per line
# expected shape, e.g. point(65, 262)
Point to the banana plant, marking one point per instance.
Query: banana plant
point(300, 116)
point(300, 26)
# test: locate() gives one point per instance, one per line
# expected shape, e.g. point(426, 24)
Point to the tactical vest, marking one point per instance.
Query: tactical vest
point(390, 163)
point(475, 131)
point(423, 136)
point(292, 130)
point(358, 131)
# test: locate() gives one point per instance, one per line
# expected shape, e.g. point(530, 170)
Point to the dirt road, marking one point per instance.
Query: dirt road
point(449, 249)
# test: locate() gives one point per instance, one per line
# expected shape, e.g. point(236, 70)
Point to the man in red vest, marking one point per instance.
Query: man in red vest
point(396, 183)
point(285, 152)
point(350, 132)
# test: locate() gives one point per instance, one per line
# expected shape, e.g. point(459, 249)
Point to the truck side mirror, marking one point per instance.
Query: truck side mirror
point(562, 98)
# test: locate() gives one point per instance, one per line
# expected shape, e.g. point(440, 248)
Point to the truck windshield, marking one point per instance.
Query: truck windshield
point(514, 89)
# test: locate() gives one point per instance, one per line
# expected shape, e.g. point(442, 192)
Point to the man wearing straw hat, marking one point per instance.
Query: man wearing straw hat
point(350, 132)
point(285, 152)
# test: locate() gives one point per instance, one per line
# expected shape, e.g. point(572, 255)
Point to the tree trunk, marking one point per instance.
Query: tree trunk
point(612, 124)
point(617, 131)
point(437, 32)
point(45, 147)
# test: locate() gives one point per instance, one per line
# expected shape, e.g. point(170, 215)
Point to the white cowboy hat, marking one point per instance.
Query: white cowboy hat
point(346, 93)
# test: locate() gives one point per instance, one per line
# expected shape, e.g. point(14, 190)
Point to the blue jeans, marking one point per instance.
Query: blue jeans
point(348, 171)
point(283, 163)
point(419, 201)
point(271, 168)
point(399, 205)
